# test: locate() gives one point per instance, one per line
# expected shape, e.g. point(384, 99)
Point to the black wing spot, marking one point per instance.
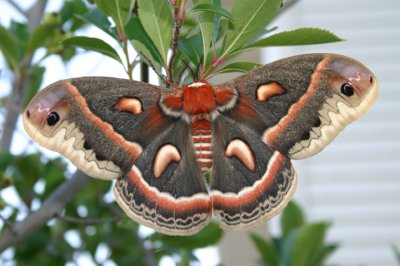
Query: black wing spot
point(347, 89)
point(53, 119)
point(87, 146)
point(317, 123)
point(305, 136)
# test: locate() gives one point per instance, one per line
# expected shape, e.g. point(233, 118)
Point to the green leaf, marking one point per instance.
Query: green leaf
point(5, 160)
point(321, 255)
point(210, 235)
point(156, 18)
point(27, 170)
point(118, 10)
point(217, 23)
point(21, 32)
point(206, 24)
point(53, 173)
point(93, 44)
point(207, 7)
point(72, 8)
point(141, 41)
point(268, 252)
point(285, 246)
point(302, 36)
point(396, 251)
point(35, 77)
point(292, 218)
point(98, 19)
point(308, 243)
point(192, 49)
point(241, 67)
point(39, 37)
point(8, 46)
point(251, 17)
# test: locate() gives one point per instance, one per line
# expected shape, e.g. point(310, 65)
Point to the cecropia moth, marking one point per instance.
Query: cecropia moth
point(157, 142)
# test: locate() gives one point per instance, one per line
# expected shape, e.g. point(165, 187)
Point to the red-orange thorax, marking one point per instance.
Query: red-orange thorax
point(198, 98)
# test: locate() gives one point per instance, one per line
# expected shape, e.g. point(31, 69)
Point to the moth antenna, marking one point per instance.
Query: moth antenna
point(159, 74)
point(192, 72)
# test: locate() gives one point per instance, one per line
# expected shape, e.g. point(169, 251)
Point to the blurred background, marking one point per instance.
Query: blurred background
point(354, 183)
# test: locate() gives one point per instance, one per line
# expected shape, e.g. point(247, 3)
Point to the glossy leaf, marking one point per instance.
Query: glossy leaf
point(141, 41)
point(308, 243)
point(302, 36)
point(119, 10)
point(251, 17)
point(97, 18)
point(269, 254)
point(192, 49)
point(241, 67)
point(156, 19)
point(206, 24)
point(217, 23)
point(292, 218)
point(93, 44)
point(8, 45)
point(207, 7)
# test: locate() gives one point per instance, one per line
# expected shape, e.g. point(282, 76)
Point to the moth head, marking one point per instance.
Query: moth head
point(353, 83)
point(46, 111)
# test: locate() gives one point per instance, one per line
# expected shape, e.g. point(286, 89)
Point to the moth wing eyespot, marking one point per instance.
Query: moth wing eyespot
point(53, 118)
point(347, 89)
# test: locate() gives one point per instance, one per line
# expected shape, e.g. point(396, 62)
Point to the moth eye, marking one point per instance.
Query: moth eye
point(347, 89)
point(53, 118)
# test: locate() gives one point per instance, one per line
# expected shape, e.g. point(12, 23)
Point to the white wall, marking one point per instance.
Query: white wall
point(355, 181)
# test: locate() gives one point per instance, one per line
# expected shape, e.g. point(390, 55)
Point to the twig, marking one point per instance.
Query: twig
point(50, 208)
point(17, 7)
point(9, 224)
point(178, 20)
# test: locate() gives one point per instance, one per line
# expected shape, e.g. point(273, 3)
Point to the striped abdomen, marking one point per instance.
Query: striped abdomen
point(202, 139)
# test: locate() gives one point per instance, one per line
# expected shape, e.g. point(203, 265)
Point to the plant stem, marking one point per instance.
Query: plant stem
point(178, 20)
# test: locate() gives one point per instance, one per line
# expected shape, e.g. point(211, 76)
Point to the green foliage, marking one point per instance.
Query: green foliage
point(396, 252)
point(8, 47)
point(251, 17)
point(141, 41)
point(301, 36)
point(205, 47)
point(301, 243)
point(93, 44)
point(156, 19)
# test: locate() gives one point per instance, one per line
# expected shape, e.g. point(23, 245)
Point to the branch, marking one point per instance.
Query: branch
point(14, 103)
point(17, 7)
point(50, 208)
